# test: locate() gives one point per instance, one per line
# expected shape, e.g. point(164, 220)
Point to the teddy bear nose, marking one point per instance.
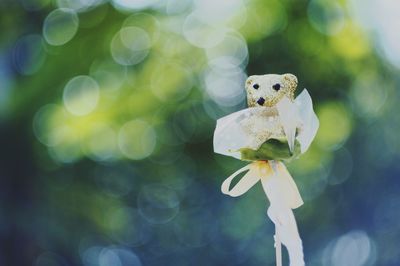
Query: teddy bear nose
point(261, 101)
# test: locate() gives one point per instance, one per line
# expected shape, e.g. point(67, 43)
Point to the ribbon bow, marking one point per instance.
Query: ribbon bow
point(283, 195)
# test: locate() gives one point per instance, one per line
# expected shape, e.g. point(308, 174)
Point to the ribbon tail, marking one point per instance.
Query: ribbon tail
point(287, 233)
point(244, 184)
point(283, 197)
point(282, 192)
point(288, 186)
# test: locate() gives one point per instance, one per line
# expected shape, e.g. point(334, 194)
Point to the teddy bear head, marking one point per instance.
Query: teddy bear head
point(269, 89)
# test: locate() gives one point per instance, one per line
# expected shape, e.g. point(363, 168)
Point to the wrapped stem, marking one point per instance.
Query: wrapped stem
point(283, 196)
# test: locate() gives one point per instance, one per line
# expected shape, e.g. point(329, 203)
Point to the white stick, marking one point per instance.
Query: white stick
point(278, 249)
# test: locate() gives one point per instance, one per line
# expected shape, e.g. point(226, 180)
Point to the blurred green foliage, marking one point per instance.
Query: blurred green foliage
point(107, 111)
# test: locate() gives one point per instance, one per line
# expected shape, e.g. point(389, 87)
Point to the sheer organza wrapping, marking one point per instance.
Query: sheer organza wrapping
point(251, 127)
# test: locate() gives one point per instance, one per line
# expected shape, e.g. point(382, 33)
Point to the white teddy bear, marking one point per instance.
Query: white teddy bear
point(275, 92)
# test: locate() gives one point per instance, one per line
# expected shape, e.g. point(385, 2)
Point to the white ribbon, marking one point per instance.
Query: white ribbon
point(283, 195)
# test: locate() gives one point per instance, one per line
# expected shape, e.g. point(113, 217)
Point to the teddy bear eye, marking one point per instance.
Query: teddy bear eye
point(277, 86)
point(256, 86)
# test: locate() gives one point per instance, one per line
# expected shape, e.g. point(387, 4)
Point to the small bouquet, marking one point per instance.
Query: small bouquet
point(275, 128)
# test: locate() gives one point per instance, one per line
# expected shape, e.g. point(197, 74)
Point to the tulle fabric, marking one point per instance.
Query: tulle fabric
point(230, 135)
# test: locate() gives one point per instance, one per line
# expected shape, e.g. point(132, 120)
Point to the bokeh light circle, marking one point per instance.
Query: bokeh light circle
point(146, 22)
point(174, 7)
point(135, 38)
point(185, 124)
point(382, 19)
point(171, 81)
point(230, 53)
point(200, 33)
point(67, 152)
point(158, 204)
point(81, 95)
point(326, 16)
point(129, 5)
point(231, 14)
point(226, 88)
point(90, 256)
point(129, 227)
point(60, 26)
point(102, 143)
point(215, 111)
point(114, 256)
point(110, 76)
point(354, 248)
point(366, 98)
point(335, 125)
point(78, 5)
point(7, 82)
point(137, 139)
point(43, 128)
point(130, 46)
point(28, 54)
point(263, 19)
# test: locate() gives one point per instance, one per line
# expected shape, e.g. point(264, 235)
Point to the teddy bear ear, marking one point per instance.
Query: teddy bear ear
point(249, 80)
point(290, 83)
point(291, 78)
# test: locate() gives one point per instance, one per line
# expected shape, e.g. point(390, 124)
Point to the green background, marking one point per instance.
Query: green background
point(107, 112)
